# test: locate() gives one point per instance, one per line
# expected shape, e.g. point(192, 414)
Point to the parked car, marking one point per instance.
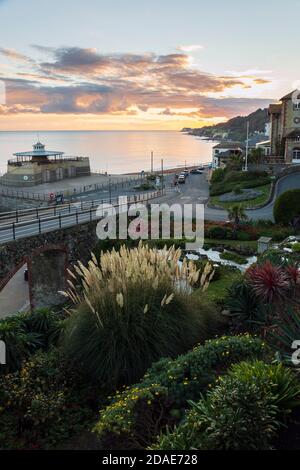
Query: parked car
point(196, 171)
point(181, 179)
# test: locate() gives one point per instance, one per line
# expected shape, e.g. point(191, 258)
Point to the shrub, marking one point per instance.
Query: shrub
point(242, 411)
point(25, 333)
point(168, 385)
point(238, 190)
point(19, 342)
point(219, 233)
point(218, 175)
point(233, 257)
point(134, 308)
point(287, 207)
point(269, 282)
point(245, 308)
point(42, 403)
point(296, 247)
point(285, 332)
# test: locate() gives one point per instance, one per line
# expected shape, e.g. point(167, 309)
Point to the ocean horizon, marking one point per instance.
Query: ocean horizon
point(114, 151)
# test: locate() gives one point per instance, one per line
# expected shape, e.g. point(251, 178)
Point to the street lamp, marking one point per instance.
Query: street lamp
point(247, 148)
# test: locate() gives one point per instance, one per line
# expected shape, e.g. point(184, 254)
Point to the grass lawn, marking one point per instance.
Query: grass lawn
point(265, 191)
point(217, 290)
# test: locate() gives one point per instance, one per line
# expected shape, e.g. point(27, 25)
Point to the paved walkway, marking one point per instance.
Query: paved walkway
point(14, 297)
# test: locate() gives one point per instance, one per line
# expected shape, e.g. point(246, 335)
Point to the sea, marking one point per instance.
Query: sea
point(115, 152)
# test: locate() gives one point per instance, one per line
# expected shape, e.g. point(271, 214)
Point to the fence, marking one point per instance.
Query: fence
point(72, 216)
point(108, 185)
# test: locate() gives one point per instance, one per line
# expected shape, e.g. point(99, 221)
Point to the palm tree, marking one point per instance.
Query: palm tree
point(236, 214)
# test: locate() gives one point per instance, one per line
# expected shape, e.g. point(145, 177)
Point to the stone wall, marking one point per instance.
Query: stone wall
point(47, 256)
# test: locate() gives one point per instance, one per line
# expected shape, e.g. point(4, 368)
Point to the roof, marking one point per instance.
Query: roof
point(38, 151)
point(265, 143)
point(44, 153)
point(264, 239)
point(289, 95)
point(275, 109)
point(229, 145)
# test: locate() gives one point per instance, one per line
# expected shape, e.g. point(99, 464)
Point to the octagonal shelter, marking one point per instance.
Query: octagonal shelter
point(43, 166)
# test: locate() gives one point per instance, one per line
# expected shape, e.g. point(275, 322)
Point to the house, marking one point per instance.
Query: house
point(265, 146)
point(224, 151)
point(285, 128)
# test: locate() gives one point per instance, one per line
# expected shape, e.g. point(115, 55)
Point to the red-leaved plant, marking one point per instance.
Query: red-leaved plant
point(270, 283)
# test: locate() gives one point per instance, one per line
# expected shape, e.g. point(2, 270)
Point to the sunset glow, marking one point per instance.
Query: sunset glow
point(92, 86)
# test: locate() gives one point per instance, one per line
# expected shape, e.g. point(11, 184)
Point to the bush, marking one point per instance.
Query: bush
point(234, 257)
point(242, 411)
point(296, 247)
point(42, 403)
point(219, 233)
point(168, 386)
point(134, 308)
point(20, 343)
point(245, 309)
point(218, 175)
point(270, 283)
point(287, 207)
point(25, 333)
point(240, 179)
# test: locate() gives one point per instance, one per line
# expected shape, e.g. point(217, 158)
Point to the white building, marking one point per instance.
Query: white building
point(225, 150)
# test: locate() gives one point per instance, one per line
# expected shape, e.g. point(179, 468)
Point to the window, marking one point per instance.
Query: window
point(296, 154)
point(297, 138)
point(297, 105)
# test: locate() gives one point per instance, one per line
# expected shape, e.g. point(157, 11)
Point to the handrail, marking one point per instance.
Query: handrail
point(13, 227)
point(59, 208)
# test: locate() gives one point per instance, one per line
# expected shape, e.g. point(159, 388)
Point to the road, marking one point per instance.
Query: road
point(194, 191)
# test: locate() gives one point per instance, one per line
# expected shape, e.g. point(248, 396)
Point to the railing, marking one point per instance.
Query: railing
point(68, 216)
point(18, 161)
point(106, 186)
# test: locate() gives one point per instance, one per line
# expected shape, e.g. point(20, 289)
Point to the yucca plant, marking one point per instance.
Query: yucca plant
point(131, 308)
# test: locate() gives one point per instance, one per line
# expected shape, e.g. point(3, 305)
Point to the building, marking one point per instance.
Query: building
point(224, 151)
point(285, 128)
point(43, 166)
point(265, 146)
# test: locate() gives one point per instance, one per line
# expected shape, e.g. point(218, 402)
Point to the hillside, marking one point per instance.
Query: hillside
point(235, 128)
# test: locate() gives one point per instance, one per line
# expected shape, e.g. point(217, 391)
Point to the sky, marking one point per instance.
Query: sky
point(137, 64)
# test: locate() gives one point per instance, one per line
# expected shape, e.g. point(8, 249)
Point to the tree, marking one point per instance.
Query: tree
point(287, 208)
point(236, 214)
point(257, 156)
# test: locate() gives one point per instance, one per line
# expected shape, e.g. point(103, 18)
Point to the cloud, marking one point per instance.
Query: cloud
point(76, 80)
point(14, 55)
point(190, 48)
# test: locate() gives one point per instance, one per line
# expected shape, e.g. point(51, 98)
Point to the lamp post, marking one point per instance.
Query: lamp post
point(109, 189)
point(247, 148)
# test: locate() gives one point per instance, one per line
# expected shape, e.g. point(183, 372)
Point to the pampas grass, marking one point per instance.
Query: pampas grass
point(131, 308)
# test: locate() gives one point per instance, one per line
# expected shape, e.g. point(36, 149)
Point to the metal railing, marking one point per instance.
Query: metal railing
point(73, 192)
point(73, 216)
